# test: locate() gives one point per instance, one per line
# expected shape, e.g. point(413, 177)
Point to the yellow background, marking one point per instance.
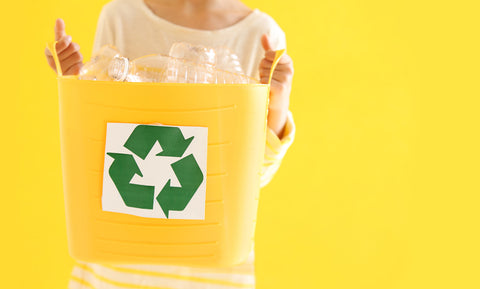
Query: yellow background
point(379, 190)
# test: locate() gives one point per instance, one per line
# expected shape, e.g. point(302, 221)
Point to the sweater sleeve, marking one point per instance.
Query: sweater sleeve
point(275, 150)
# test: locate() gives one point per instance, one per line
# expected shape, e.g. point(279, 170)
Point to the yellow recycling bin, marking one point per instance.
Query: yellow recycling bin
point(235, 116)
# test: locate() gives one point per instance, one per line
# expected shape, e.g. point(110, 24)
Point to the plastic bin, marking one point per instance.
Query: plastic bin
point(235, 116)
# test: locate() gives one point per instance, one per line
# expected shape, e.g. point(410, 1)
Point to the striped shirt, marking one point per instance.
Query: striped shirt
point(147, 276)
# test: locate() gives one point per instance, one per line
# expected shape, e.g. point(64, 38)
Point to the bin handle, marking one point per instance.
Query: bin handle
point(52, 46)
point(53, 50)
point(278, 55)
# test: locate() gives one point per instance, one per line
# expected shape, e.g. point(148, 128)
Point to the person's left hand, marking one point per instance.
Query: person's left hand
point(281, 85)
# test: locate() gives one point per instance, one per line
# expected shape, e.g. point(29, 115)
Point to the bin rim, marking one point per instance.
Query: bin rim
point(103, 82)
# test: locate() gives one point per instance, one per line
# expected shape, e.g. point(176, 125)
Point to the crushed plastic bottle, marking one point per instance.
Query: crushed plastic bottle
point(186, 63)
point(190, 63)
point(150, 68)
point(97, 67)
point(228, 68)
point(227, 60)
point(227, 77)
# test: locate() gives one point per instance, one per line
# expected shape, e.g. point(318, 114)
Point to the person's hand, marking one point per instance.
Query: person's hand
point(68, 52)
point(280, 87)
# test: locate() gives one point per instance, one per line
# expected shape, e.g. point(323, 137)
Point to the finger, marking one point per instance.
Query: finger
point(279, 76)
point(273, 82)
point(264, 72)
point(266, 69)
point(265, 63)
point(282, 77)
point(266, 66)
point(72, 48)
point(47, 52)
point(74, 69)
point(51, 63)
point(285, 59)
point(284, 68)
point(266, 43)
point(264, 79)
point(270, 56)
point(63, 44)
point(71, 60)
point(59, 29)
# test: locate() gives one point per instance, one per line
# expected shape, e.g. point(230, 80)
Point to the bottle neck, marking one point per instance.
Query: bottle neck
point(119, 68)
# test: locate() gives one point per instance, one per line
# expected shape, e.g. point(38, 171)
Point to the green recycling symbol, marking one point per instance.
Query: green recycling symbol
point(173, 143)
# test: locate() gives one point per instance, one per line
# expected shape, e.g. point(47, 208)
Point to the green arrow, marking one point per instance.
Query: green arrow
point(144, 137)
point(122, 171)
point(190, 177)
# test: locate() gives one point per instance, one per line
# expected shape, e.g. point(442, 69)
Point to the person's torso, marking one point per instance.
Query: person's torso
point(138, 31)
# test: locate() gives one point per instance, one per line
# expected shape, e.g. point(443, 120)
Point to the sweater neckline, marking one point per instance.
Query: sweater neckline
point(181, 28)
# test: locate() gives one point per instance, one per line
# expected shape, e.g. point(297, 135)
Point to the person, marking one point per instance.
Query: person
point(142, 27)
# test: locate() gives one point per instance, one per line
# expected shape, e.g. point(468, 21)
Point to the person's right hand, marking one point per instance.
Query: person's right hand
point(68, 52)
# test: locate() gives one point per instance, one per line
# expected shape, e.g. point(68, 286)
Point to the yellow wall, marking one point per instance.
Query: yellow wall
point(380, 189)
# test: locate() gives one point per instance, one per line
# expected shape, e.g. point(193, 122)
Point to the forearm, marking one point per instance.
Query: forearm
point(276, 120)
point(275, 150)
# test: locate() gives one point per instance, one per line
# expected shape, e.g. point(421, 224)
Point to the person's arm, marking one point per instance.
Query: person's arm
point(281, 128)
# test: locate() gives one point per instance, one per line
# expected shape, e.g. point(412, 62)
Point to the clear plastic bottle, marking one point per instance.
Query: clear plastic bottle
point(227, 77)
point(150, 68)
point(227, 60)
point(186, 63)
point(97, 67)
point(190, 63)
point(228, 68)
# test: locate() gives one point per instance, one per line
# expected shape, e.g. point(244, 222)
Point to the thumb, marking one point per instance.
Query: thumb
point(59, 29)
point(266, 43)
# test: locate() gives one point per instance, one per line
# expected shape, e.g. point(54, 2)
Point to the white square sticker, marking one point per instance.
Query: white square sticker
point(155, 171)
